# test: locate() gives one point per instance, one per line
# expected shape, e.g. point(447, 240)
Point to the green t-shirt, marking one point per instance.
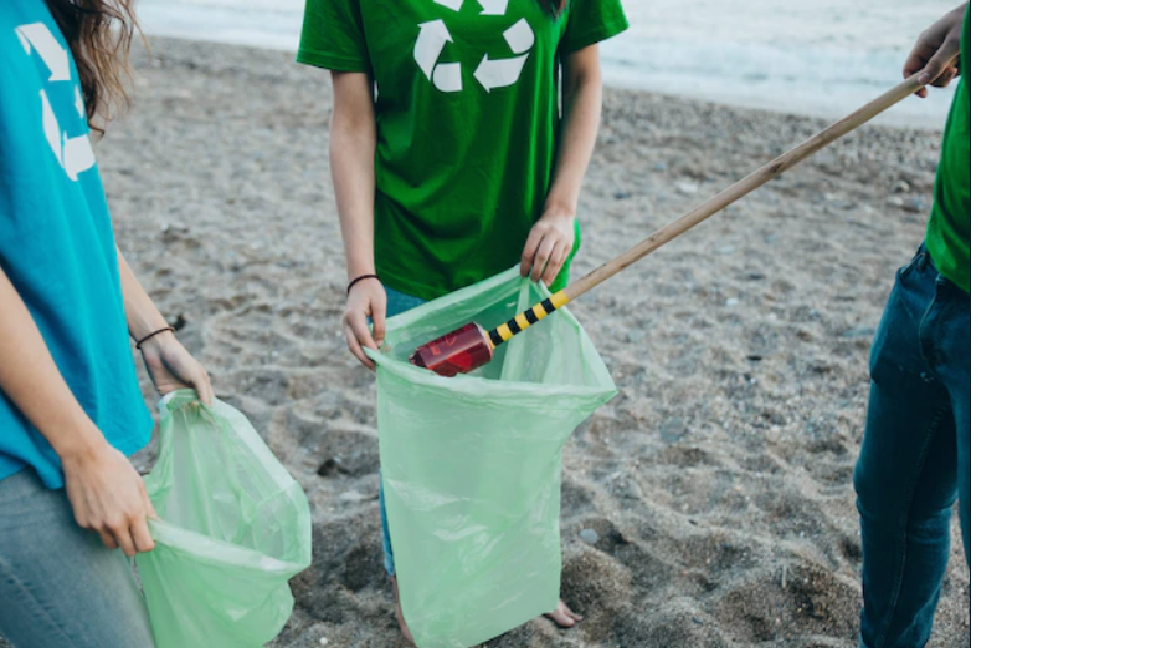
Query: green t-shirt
point(949, 235)
point(467, 122)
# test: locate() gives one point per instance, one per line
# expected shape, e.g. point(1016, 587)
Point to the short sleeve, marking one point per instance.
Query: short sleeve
point(590, 22)
point(332, 36)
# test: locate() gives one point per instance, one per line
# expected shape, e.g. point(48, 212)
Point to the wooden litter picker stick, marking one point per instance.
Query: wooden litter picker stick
point(470, 346)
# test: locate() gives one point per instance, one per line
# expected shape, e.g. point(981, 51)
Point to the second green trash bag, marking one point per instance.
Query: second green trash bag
point(471, 464)
point(233, 528)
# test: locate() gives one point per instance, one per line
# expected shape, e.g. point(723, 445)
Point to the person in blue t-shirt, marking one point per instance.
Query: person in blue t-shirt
point(72, 507)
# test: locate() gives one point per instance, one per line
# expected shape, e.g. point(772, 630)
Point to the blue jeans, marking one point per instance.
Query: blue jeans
point(59, 584)
point(398, 302)
point(916, 455)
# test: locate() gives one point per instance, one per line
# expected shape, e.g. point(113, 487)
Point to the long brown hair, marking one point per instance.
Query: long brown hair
point(99, 49)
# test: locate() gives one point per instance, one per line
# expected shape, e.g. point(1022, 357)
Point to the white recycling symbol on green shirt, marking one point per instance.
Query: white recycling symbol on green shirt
point(491, 73)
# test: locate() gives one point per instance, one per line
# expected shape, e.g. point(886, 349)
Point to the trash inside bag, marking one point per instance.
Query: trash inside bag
point(234, 527)
point(471, 464)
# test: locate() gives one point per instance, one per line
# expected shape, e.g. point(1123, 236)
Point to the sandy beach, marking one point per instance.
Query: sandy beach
point(718, 482)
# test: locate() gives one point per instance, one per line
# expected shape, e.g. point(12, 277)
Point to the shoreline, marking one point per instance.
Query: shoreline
point(811, 108)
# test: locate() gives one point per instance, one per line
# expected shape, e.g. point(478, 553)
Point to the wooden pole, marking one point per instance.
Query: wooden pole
point(743, 187)
point(520, 322)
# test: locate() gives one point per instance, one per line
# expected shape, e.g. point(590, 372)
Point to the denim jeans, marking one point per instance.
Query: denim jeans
point(915, 459)
point(398, 302)
point(59, 584)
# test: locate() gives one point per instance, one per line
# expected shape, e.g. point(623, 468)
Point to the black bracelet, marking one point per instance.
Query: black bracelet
point(152, 335)
point(359, 279)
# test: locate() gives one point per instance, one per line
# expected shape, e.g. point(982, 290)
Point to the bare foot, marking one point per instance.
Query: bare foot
point(564, 617)
point(400, 613)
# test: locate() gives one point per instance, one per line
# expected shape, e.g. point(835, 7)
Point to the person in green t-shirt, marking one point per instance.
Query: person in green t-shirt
point(915, 460)
point(460, 135)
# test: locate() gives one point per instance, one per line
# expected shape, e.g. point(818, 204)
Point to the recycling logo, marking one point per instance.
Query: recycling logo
point(491, 73)
point(73, 153)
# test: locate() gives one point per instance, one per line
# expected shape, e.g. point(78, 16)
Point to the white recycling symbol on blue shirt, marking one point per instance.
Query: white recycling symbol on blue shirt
point(74, 153)
point(491, 73)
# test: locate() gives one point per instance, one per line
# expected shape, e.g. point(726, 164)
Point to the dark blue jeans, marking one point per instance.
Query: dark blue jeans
point(916, 456)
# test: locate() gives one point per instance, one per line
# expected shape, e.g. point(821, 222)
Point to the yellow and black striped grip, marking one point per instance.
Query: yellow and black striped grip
point(505, 331)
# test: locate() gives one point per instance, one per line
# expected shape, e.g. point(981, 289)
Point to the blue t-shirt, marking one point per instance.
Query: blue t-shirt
point(56, 243)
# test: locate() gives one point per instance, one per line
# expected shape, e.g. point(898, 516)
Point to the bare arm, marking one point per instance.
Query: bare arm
point(30, 378)
point(106, 493)
point(143, 316)
point(169, 364)
point(352, 155)
point(583, 97)
point(551, 240)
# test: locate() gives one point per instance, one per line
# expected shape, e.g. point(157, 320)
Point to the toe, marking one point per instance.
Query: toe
point(564, 617)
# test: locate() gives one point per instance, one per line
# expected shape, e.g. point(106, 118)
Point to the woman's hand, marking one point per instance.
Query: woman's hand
point(109, 497)
point(549, 244)
point(106, 493)
point(551, 239)
point(171, 367)
point(367, 299)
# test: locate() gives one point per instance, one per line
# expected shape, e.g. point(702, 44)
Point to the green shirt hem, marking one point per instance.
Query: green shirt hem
point(409, 287)
point(428, 293)
point(949, 267)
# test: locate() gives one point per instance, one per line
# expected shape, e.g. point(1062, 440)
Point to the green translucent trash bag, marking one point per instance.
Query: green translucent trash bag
point(471, 464)
point(234, 527)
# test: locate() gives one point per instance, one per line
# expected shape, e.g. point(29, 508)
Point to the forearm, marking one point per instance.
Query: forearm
point(353, 178)
point(143, 316)
point(30, 379)
point(583, 97)
point(351, 151)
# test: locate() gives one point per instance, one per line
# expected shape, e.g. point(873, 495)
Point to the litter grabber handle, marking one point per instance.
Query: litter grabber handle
point(754, 180)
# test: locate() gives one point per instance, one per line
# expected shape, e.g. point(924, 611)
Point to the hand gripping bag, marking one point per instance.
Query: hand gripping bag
point(471, 464)
point(233, 528)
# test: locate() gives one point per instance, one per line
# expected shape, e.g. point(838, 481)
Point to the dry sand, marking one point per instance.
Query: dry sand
point(718, 482)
